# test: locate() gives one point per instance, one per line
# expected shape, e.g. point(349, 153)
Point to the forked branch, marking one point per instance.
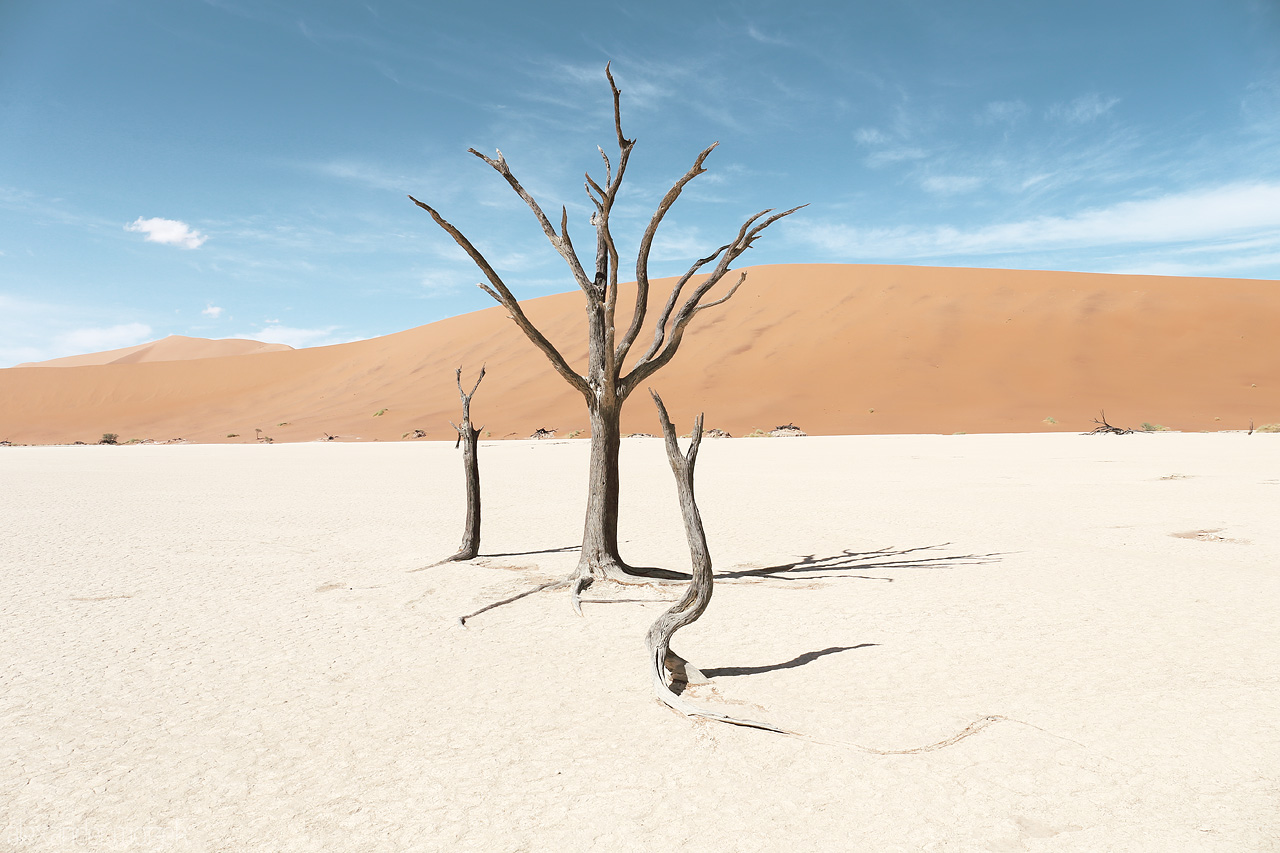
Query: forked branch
point(560, 242)
point(503, 296)
point(665, 343)
point(646, 246)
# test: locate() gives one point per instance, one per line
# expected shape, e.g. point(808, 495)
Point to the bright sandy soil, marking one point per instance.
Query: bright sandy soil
point(232, 648)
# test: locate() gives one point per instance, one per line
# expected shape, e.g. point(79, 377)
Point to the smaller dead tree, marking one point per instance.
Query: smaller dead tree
point(469, 439)
point(1104, 428)
point(698, 595)
point(696, 598)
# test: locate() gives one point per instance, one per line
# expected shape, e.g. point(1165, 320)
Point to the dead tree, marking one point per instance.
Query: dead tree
point(605, 385)
point(469, 438)
point(1104, 428)
point(697, 596)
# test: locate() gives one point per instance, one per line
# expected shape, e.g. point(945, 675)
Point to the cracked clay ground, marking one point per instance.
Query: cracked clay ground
point(227, 649)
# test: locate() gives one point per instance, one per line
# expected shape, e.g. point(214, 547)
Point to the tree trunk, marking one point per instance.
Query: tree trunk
point(469, 437)
point(698, 595)
point(600, 557)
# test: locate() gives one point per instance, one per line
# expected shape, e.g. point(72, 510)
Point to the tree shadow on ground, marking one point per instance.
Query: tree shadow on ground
point(564, 549)
point(800, 660)
point(812, 567)
point(648, 572)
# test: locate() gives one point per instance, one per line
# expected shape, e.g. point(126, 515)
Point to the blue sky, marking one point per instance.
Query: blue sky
point(223, 168)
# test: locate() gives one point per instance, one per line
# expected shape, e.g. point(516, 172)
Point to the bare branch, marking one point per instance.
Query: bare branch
point(608, 167)
point(466, 398)
point(660, 328)
point(623, 142)
point(499, 165)
point(660, 354)
point(669, 434)
point(592, 185)
point(646, 245)
point(503, 295)
point(726, 297)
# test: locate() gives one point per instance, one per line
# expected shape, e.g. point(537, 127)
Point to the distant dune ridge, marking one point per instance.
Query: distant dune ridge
point(832, 348)
point(172, 348)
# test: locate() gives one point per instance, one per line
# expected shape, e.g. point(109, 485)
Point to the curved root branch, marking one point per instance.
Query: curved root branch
point(678, 703)
point(971, 729)
point(575, 595)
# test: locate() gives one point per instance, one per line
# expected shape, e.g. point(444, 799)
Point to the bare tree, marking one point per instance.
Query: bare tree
point(698, 594)
point(696, 598)
point(605, 386)
point(469, 437)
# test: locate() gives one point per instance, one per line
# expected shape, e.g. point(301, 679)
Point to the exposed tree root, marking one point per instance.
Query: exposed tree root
point(575, 595)
point(677, 703)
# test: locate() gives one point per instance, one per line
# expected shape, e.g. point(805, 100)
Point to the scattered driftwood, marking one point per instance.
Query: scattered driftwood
point(787, 431)
point(327, 437)
point(716, 433)
point(1104, 428)
point(469, 440)
point(639, 435)
point(542, 432)
point(417, 433)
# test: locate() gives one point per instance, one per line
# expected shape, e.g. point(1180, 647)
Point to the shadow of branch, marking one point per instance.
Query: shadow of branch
point(839, 565)
point(562, 550)
point(801, 660)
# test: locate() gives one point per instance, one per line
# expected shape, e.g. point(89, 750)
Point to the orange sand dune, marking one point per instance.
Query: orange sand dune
point(836, 349)
point(172, 348)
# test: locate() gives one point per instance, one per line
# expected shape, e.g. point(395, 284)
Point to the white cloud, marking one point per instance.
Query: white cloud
point(950, 184)
point(81, 341)
point(39, 331)
point(870, 136)
point(212, 311)
point(1083, 109)
point(1230, 267)
point(1234, 211)
point(1003, 112)
point(170, 232)
point(442, 284)
point(297, 338)
point(764, 38)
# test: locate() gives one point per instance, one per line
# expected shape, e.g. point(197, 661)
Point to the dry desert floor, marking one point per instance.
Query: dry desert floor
point(236, 648)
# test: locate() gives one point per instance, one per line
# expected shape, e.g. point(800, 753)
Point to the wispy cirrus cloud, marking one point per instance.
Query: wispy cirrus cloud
point(759, 35)
point(98, 339)
point(1083, 109)
point(1200, 217)
point(950, 184)
point(169, 232)
point(38, 331)
point(1003, 112)
point(299, 338)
